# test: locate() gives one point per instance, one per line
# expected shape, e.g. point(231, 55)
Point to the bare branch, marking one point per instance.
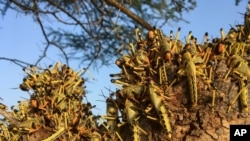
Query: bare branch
point(129, 13)
point(16, 61)
point(90, 29)
point(71, 16)
point(45, 36)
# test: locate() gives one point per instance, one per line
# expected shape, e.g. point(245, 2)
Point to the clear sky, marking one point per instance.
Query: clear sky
point(21, 38)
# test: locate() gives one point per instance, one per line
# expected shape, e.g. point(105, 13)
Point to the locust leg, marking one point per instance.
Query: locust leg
point(234, 100)
point(135, 130)
point(244, 95)
point(161, 109)
point(211, 78)
point(227, 73)
point(132, 118)
point(208, 80)
point(163, 74)
point(57, 134)
point(206, 55)
point(213, 100)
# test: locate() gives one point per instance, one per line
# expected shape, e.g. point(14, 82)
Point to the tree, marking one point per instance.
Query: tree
point(96, 28)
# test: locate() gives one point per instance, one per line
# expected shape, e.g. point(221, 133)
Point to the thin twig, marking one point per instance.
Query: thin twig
point(16, 61)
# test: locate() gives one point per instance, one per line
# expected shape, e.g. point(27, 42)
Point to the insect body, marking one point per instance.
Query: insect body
point(30, 125)
point(244, 95)
point(156, 100)
point(238, 67)
point(189, 70)
point(5, 131)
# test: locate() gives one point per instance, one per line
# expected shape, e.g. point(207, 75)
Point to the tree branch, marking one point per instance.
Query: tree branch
point(129, 13)
point(16, 61)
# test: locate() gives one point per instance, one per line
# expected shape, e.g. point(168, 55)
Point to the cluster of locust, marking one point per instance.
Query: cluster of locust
point(55, 106)
point(153, 65)
point(156, 62)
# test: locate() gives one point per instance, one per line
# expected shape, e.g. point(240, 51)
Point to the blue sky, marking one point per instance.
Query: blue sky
point(21, 38)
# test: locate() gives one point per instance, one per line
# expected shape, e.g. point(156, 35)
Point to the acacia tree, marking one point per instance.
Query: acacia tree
point(98, 29)
point(95, 28)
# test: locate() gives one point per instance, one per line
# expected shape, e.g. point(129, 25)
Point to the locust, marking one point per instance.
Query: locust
point(112, 113)
point(5, 132)
point(132, 118)
point(189, 70)
point(157, 102)
point(239, 69)
point(112, 119)
point(57, 92)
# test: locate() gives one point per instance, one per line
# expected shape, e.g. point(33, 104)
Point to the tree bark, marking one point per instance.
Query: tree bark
point(201, 123)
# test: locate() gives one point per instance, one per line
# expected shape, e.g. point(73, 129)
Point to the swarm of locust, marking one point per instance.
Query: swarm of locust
point(55, 107)
point(158, 62)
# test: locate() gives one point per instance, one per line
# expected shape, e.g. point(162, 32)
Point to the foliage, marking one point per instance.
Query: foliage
point(96, 29)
